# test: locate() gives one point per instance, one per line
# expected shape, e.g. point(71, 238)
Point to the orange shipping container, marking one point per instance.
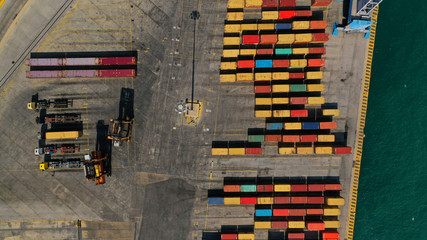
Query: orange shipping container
point(315, 226)
point(318, 24)
point(231, 188)
point(268, 39)
point(328, 125)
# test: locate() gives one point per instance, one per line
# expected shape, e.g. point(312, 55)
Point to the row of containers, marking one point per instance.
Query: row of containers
point(277, 50)
point(275, 27)
point(230, 39)
point(275, 63)
point(283, 16)
point(290, 77)
point(244, 232)
point(240, 4)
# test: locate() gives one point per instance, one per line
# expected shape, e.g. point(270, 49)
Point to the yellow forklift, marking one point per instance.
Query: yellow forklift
point(120, 129)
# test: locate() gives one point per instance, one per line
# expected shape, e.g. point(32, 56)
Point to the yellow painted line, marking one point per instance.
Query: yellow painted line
point(358, 154)
point(1, 2)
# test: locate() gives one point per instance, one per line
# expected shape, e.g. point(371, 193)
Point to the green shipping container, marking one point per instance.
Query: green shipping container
point(298, 88)
point(284, 51)
point(256, 138)
point(247, 188)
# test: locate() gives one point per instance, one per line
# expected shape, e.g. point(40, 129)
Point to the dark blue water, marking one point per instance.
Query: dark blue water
point(392, 200)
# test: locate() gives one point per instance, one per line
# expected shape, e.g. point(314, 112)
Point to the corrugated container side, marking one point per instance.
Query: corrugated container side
point(296, 224)
point(216, 200)
point(299, 188)
point(296, 75)
point(282, 200)
point(280, 88)
point(268, 39)
point(293, 126)
point(282, 187)
point(336, 201)
point(283, 26)
point(281, 212)
point(263, 76)
point(281, 63)
point(316, 100)
point(332, 224)
point(326, 138)
point(231, 188)
point(244, 77)
point(287, 150)
point(285, 39)
point(256, 138)
point(342, 150)
point(266, 26)
point(323, 150)
point(315, 226)
point(333, 187)
point(279, 224)
point(263, 212)
point(299, 113)
point(273, 138)
point(250, 39)
point(270, 15)
point(246, 64)
point(316, 187)
point(219, 151)
point(253, 151)
point(236, 151)
point(305, 150)
point(263, 63)
point(310, 125)
point(280, 101)
point(229, 236)
point(262, 101)
point(262, 225)
point(308, 138)
point(265, 188)
point(300, 25)
point(314, 75)
point(303, 38)
point(246, 236)
point(315, 87)
point(328, 125)
point(315, 211)
point(247, 188)
point(291, 138)
point(331, 211)
point(315, 200)
point(265, 200)
point(262, 89)
point(297, 212)
point(248, 200)
point(232, 200)
point(318, 24)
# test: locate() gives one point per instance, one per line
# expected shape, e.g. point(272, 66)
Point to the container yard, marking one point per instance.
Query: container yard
point(274, 153)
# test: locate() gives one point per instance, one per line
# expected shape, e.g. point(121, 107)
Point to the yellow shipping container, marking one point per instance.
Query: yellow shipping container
point(262, 113)
point(326, 138)
point(331, 112)
point(304, 37)
point(287, 150)
point(266, 26)
point(231, 28)
point(231, 40)
point(249, 27)
point(281, 113)
point(235, 16)
point(228, 65)
point(298, 63)
point(280, 88)
point(227, 53)
point(293, 126)
point(246, 236)
point(298, 25)
point(296, 224)
point(305, 150)
point(262, 225)
point(265, 200)
point(270, 15)
point(285, 38)
point(315, 87)
point(315, 100)
point(245, 77)
point(219, 151)
point(323, 150)
point(332, 223)
point(314, 75)
point(300, 51)
point(280, 76)
point(253, 3)
point(280, 100)
point(282, 187)
point(336, 201)
point(63, 135)
point(263, 76)
point(232, 200)
point(236, 3)
point(227, 78)
point(236, 151)
point(332, 211)
point(247, 52)
point(262, 101)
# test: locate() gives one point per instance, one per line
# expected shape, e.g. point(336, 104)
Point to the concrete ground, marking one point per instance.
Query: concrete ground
point(158, 188)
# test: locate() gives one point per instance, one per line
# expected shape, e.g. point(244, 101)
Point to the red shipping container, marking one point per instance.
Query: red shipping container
point(320, 3)
point(117, 61)
point(273, 138)
point(299, 100)
point(253, 151)
point(282, 200)
point(316, 187)
point(319, 50)
point(333, 187)
point(298, 200)
point(286, 14)
point(245, 64)
point(268, 39)
point(265, 188)
point(116, 73)
point(315, 200)
point(262, 89)
point(295, 236)
point(308, 138)
point(318, 24)
point(229, 236)
point(299, 188)
point(315, 211)
point(315, 226)
point(248, 200)
point(231, 188)
point(287, 3)
point(270, 3)
point(342, 150)
point(330, 234)
point(316, 62)
point(328, 125)
point(250, 39)
point(291, 138)
point(264, 52)
point(279, 224)
point(299, 113)
point(297, 212)
point(280, 212)
point(296, 75)
point(303, 13)
point(280, 63)
point(319, 37)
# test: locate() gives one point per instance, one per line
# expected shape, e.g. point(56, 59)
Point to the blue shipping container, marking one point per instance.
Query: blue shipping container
point(216, 200)
point(248, 188)
point(283, 26)
point(274, 126)
point(263, 212)
point(310, 125)
point(263, 63)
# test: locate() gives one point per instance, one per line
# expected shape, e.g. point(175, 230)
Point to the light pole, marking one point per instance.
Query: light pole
point(194, 15)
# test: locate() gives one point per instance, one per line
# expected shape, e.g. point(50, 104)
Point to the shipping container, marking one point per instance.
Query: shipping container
point(249, 27)
point(231, 188)
point(230, 53)
point(297, 88)
point(247, 188)
point(282, 187)
point(283, 51)
point(319, 37)
point(248, 52)
point(246, 236)
point(227, 78)
point(331, 211)
point(280, 75)
point(283, 26)
point(332, 224)
point(342, 150)
point(267, 51)
point(262, 101)
point(299, 113)
point(236, 3)
point(316, 100)
point(328, 125)
point(263, 212)
point(326, 138)
point(333, 187)
point(281, 113)
point(320, 3)
point(63, 135)
point(336, 201)
point(265, 200)
point(280, 88)
point(315, 226)
point(262, 225)
point(296, 224)
point(273, 138)
point(270, 3)
point(303, 38)
point(236, 151)
point(270, 15)
point(291, 138)
point(303, 13)
point(232, 28)
point(308, 138)
point(253, 3)
point(250, 39)
point(44, 62)
point(300, 51)
point(282, 200)
point(287, 3)
point(286, 14)
point(228, 65)
point(310, 125)
point(316, 62)
point(246, 64)
point(256, 138)
point(232, 200)
point(297, 212)
point(287, 150)
point(293, 126)
point(299, 188)
point(253, 151)
point(315, 211)
point(219, 151)
point(44, 74)
point(268, 39)
point(285, 39)
point(116, 61)
point(298, 200)
point(263, 63)
point(296, 75)
point(317, 50)
point(265, 188)
point(244, 77)
point(318, 24)
point(280, 101)
point(279, 224)
point(229, 236)
point(314, 75)
point(331, 112)
point(305, 150)
point(262, 89)
point(263, 76)
point(315, 87)
point(248, 200)
point(235, 16)
point(296, 236)
point(298, 63)
point(216, 200)
point(300, 25)
point(281, 212)
point(266, 26)
point(274, 126)
point(315, 200)
point(316, 187)
point(323, 150)
point(281, 63)
point(298, 100)
point(110, 73)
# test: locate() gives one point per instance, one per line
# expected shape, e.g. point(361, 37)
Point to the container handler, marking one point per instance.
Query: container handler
point(50, 103)
point(96, 167)
point(59, 118)
point(55, 148)
point(61, 163)
point(120, 129)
